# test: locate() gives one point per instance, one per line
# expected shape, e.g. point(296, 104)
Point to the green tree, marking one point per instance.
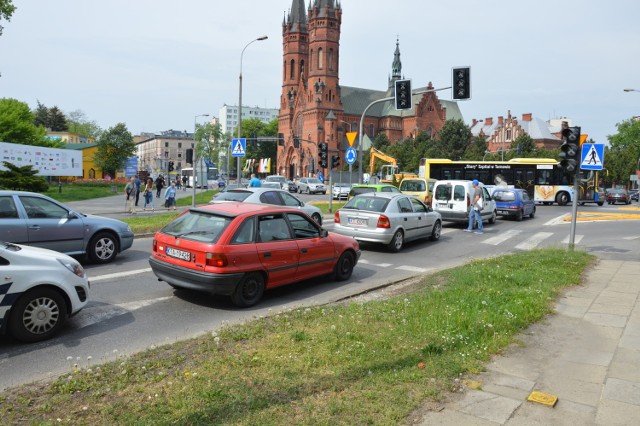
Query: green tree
point(41, 115)
point(6, 10)
point(22, 178)
point(454, 137)
point(115, 146)
point(527, 146)
point(476, 150)
point(79, 124)
point(209, 141)
point(16, 125)
point(57, 120)
point(622, 155)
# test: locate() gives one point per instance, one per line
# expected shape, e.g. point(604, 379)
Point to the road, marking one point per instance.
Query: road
point(130, 310)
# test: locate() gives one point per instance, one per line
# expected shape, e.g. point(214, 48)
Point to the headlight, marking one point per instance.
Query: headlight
point(73, 266)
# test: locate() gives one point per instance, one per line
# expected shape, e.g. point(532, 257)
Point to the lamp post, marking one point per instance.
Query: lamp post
point(240, 99)
point(195, 158)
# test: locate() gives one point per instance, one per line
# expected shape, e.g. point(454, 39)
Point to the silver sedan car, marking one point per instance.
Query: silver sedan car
point(277, 197)
point(387, 218)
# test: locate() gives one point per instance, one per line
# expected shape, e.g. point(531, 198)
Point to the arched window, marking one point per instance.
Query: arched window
point(320, 59)
point(298, 126)
point(311, 61)
point(330, 60)
point(301, 67)
point(429, 132)
point(371, 131)
point(292, 70)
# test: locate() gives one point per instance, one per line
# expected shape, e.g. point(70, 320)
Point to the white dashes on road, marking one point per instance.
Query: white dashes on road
point(119, 275)
point(502, 237)
point(534, 241)
point(367, 262)
point(576, 240)
point(412, 268)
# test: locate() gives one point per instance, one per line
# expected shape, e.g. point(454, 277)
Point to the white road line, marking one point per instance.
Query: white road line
point(576, 240)
point(533, 242)
point(558, 220)
point(119, 275)
point(631, 238)
point(95, 314)
point(502, 237)
point(412, 268)
point(368, 262)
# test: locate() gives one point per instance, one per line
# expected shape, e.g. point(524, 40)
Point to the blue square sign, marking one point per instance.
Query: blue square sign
point(592, 156)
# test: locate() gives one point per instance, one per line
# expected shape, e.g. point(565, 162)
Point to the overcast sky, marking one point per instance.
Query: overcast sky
point(155, 64)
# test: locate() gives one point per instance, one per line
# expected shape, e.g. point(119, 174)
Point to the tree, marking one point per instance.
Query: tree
point(41, 115)
point(115, 147)
point(57, 120)
point(79, 124)
point(16, 125)
point(209, 141)
point(6, 10)
point(476, 150)
point(454, 137)
point(22, 178)
point(526, 144)
point(621, 157)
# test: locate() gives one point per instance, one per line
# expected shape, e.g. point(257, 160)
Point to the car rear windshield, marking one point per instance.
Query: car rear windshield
point(443, 192)
point(235, 195)
point(198, 226)
point(367, 203)
point(504, 196)
point(413, 185)
point(362, 190)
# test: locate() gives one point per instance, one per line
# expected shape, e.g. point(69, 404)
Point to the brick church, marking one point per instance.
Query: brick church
point(315, 108)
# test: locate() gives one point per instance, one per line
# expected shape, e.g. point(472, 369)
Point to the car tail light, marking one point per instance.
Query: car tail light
point(383, 222)
point(155, 245)
point(216, 259)
point(336, 217)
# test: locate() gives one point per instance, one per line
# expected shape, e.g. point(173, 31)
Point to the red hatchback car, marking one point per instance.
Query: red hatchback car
point(241, 249)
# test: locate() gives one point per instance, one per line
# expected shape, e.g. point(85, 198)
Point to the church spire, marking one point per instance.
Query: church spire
point(298, 17)
point(396, 67)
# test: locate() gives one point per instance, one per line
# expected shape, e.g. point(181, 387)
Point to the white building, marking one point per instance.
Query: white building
point(229, 116)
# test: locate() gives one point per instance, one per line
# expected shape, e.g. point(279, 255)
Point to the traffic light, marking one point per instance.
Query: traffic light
point(461, 83)
point(170, 166)
point(323, 154)
point(570, 149)
point(403, 94)
point(190, 155)
point(335, 161)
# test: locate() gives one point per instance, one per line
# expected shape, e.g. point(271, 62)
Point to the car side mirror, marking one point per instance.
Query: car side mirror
point(324, 233)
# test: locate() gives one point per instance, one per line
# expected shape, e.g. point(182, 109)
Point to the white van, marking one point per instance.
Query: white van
point(452, 199)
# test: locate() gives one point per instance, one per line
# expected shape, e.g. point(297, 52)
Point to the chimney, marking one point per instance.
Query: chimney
point(500, 120)
point(488, 121)
point(527, 117)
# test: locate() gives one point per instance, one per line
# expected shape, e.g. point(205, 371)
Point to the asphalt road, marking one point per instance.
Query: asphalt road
point(130, 310)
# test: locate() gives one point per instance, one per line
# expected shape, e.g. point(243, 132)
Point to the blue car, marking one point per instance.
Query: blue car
point(514, 203)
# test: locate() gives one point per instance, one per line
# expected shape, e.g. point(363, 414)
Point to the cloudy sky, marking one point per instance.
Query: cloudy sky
point(155, 64)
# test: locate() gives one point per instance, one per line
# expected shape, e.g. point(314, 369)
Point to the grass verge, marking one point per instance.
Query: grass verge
point(352, 363)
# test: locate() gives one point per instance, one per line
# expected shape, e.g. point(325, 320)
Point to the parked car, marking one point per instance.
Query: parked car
point(282, 181)
point(273, 185)
point(452, 199)
point(618, 196)
point(37, 220)
point(376, 187)
point(420, 188)
point(276, 197)
point(514, 203)
point(633, 195)
point(39, 290)
point(387, 218)
point(340, 190)
point(241, 249)
point(311, 186)
point(292, 186)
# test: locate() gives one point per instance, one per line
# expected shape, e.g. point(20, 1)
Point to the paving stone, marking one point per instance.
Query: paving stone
point(622, 390)
point(615, 413)
point(488, 406)
point(606, 319)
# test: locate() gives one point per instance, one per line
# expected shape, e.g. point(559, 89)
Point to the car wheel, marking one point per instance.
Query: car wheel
point(38, 315)
point(600, 203)
point(396, 242)
point(249, 291)
point(493, 217)
point(519, 216)
point(533, 212)
point(317, 218)
point(436, 231)
point(324, 193)
point(562, 199)
point(102, 247)
point(344, 267)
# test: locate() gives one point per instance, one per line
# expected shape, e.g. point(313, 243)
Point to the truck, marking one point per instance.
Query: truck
point(388, 172)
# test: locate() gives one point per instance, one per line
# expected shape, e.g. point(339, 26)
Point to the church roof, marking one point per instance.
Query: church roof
point(297, 17)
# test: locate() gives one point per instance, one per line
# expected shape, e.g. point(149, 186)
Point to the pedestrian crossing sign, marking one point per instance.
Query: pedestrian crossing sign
point(592, 156)
point(239, 147)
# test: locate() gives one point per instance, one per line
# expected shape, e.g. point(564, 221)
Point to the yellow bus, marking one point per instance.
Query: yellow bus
point(542, 178)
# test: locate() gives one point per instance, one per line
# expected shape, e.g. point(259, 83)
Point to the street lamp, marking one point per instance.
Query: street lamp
point(195, 157)
point(240, 99)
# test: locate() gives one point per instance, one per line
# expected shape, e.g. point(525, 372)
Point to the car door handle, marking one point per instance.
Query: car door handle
point(304, 250)
point(36, 227)
point(405, 219)
point(267, 254)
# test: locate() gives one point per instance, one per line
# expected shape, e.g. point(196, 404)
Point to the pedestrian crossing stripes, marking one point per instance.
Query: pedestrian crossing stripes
point(533, 241)
point(576, 240)
point(502, 237)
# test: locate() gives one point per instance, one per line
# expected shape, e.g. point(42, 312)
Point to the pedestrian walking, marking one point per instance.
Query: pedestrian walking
point(185, 179)
point(475, 207)
point(170, 197)
point(254, 182)
point(159, 185)
point(178, 183)
point(148, 195)
point(137, 180)
point(130, 193)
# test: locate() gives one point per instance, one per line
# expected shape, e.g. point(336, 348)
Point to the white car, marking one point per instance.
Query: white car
point(311, 186)
point(39, 290)
point(340, 190)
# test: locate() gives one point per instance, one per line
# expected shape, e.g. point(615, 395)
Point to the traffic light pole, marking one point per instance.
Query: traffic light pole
point(574, 209)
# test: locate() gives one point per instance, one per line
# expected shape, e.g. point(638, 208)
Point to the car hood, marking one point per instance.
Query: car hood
point(103, 222)
point(29, 252)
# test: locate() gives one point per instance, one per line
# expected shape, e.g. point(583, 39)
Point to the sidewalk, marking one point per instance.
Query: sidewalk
point(587, 354)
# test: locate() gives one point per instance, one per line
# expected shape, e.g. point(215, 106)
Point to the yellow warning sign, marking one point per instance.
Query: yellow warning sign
point(351, 137)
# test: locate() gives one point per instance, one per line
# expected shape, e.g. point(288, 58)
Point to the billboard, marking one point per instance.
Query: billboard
point(47, 161)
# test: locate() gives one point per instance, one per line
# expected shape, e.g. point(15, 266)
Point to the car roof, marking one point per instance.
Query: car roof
point(257, 189)
point(373, 185)
point(383, 195)
point(237, 208)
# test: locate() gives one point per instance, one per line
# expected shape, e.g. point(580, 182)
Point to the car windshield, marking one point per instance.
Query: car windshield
point(361, 190)
point(313, 180)
point(235, 195)
point(198, 226)
point(504, 196)
point(275, 179)
point(366, 203)
point(413, 185)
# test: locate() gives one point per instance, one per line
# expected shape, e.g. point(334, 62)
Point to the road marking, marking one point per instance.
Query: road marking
point(557, 220)
point(412, 268)
point(368, 262)
point(119, 275)
point(631, 238)
point(576, 240)
point(95, 314)
point(504, 236)
point(533, 242)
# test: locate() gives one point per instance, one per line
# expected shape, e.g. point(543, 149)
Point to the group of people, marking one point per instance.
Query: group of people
point(135, 186)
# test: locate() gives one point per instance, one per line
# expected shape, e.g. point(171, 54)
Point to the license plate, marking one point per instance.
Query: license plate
point(180, 254)
point(357, 221)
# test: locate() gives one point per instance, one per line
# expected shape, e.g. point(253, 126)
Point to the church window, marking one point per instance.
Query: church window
point(429, 132)
point(320, 59)
point(311, 61)
point(292, 70)
point(330, 60)
point(508, 134)
point(302, 67)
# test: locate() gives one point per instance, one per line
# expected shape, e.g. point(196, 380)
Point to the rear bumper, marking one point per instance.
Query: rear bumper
point(224, 284)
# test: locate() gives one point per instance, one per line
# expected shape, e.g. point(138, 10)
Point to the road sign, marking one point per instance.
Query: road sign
point(592, 156)
point(238, 147)
point(350, 156)
point(351, 137)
